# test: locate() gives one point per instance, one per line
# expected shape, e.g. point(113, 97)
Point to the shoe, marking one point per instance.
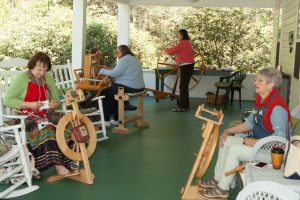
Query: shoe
point(207, 183)
point(215, 193)
point(128, 106)
point(107, 123)
point(114, 122)
point(179, 110)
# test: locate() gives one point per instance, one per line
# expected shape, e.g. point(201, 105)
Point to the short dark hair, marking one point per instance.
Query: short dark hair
point(40, 57)
point(93, 50)
point(184, 34)
point(125, 50)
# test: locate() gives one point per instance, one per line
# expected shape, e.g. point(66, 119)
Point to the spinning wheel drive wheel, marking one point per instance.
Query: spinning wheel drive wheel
point(64, 128)
point(166, 66)
point(208, 153)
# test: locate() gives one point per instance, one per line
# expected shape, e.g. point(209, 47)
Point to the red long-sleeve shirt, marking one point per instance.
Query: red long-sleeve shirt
point(184, 52)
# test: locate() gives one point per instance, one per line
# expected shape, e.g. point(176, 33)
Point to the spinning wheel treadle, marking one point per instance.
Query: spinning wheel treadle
point(210, 132)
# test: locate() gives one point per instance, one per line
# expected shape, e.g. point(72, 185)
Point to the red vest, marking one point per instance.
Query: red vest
point(276, 101)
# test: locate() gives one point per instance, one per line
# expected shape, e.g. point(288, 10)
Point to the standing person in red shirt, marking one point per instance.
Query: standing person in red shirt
point(185, 60)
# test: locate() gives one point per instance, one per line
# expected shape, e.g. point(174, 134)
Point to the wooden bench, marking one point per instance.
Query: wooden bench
point(137, 119)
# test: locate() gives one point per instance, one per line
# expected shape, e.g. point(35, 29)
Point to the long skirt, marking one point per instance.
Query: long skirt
point(44, 148)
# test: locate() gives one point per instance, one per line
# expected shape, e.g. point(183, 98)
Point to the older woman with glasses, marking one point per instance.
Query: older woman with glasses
point(271, 116)
point(128, 73)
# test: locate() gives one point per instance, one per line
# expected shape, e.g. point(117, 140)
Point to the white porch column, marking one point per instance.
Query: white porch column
point(78, 33)
point(123, 23)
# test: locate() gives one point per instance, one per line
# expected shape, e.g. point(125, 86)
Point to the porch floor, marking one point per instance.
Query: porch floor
point(147, 164)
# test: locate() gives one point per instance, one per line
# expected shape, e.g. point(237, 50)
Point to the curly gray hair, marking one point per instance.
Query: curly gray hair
point(272, 75)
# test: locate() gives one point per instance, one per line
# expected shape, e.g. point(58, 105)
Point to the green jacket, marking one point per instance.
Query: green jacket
point(15, 93)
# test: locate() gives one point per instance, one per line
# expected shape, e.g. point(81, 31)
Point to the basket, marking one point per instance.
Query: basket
point(211, 99)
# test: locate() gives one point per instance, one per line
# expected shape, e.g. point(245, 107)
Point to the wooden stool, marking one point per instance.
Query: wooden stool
point(137, 119)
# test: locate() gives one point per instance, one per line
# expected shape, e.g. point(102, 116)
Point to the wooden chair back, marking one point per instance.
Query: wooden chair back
point(63, 76)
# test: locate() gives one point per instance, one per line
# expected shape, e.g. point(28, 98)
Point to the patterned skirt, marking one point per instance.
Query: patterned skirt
point(44, 148)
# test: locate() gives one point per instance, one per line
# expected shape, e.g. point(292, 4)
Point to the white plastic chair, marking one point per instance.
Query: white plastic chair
point(64, 78)
point(267, 190)
point(17, 159)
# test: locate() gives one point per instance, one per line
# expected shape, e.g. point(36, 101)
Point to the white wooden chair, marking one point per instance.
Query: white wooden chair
point(64, 78)
point(7, 74)
point(8, 70)
point(13, 62)
point(267, 190)
point(16, 162)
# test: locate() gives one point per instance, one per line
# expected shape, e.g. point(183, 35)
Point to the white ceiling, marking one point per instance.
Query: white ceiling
point(204, 3)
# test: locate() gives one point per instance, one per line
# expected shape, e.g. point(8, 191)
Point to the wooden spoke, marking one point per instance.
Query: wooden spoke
point(196, 80)
point(62, 142)
point(168, 73)
point(208, 153)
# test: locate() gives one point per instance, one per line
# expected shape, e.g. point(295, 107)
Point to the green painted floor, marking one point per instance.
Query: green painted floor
point(148, 164)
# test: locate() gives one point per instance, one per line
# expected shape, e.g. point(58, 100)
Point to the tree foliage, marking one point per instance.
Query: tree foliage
point(226, 37)
point(231, 37)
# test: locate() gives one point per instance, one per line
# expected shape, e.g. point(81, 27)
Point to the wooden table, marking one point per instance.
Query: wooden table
point(269, 174)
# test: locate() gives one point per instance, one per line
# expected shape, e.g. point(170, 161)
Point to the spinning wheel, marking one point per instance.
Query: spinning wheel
point(210, 132)
point(88, 78)
point(212, 140)
point(73, 153)
point(166, 65)
point(77, 129)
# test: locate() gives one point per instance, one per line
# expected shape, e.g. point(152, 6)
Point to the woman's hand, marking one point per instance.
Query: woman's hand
point(53, 104)
point(250, 141)
point(223, 137)
point(35, 105)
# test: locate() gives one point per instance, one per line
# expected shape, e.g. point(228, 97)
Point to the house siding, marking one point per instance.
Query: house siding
point(286, 58)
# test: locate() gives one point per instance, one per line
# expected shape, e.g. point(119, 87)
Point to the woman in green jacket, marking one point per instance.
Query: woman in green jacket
point(34, 93)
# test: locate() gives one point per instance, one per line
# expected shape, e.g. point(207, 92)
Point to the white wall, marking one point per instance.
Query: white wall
point(207, 83)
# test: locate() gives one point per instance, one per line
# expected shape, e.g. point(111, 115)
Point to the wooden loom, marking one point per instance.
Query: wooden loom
point(80, 151)
point(137, 119)
point(88, 78)
point(210, 133)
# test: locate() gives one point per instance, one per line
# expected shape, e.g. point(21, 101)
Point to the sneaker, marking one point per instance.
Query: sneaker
point(107, 123)
point(114, 122)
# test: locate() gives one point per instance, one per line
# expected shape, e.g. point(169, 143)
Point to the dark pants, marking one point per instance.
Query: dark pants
point(110, 105)
point(186, 72)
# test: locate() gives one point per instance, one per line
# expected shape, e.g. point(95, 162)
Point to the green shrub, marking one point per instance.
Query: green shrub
point(99, 35)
